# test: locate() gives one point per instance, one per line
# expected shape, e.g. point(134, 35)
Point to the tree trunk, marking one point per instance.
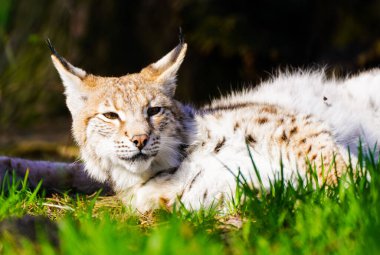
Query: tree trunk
point(56, 176)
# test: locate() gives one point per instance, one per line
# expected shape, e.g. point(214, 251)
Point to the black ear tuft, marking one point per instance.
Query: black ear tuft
point(180, 36)
point(55, 53)
point(51, 47)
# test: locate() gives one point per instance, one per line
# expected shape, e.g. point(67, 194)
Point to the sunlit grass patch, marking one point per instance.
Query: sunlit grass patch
point(285, 219)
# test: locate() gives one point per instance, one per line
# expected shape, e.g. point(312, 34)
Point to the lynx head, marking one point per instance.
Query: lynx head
point(130, 122)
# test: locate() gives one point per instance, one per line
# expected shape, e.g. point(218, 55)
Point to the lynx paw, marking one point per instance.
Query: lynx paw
point(146, 199)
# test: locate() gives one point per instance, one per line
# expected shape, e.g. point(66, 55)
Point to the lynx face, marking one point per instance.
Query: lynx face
point(129, 122)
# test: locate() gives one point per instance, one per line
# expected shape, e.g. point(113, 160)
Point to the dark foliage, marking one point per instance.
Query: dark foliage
point(231, 44)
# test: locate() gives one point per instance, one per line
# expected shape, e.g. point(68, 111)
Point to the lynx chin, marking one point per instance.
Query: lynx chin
point(154, 150)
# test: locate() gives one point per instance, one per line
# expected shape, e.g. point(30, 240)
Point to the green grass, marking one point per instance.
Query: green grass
point(287, 219)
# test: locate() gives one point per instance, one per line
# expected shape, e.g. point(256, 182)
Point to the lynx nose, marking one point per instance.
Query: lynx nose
point(140, 141)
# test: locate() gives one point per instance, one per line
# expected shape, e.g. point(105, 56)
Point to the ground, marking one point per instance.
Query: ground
point(308, 219)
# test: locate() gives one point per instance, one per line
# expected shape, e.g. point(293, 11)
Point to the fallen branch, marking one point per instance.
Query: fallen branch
point(56, 176)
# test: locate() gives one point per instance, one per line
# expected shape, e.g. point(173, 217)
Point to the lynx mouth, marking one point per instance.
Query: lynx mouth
point(138, 157)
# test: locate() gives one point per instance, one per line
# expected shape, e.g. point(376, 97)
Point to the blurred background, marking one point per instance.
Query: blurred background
point(231, 44)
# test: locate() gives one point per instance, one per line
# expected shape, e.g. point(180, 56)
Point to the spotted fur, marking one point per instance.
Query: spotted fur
point(195, 155)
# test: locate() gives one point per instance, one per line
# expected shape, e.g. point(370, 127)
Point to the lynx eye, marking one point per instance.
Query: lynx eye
point(153, 111)
point(111, 115)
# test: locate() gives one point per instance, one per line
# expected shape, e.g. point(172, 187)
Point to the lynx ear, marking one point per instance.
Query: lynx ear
point(164, 71)
point(72, 80)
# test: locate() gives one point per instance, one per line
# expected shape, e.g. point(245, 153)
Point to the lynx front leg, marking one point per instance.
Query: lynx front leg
point(158, 192)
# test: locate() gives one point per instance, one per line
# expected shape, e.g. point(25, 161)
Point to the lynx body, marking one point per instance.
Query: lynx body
point(155, 150)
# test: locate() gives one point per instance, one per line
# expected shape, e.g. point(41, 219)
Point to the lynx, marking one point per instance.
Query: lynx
point(154, 150)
